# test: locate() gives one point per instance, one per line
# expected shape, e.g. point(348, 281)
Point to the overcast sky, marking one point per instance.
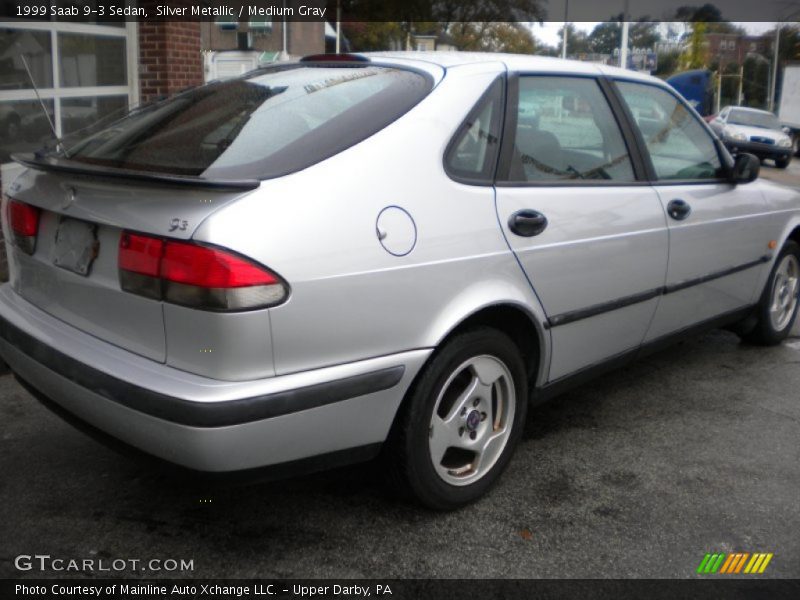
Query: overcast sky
point(547, 33)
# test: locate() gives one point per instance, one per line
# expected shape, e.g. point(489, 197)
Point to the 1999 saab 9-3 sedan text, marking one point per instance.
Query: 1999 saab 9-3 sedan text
point(350, 255)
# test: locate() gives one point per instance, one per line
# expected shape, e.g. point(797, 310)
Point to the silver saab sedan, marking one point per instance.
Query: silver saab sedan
point(354, 255)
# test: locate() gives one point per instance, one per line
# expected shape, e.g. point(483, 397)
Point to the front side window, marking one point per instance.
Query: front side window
point(680, 147)
point(566, 132)
point(265, 124)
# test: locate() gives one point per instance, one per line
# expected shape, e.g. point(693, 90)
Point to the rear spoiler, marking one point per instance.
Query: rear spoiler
point(71, 167)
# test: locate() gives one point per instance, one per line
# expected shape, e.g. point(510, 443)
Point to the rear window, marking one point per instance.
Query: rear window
point(266, 124)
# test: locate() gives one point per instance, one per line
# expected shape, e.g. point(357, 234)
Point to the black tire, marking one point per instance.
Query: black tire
point(782, 163)
point(407, 452)
point(764, 333)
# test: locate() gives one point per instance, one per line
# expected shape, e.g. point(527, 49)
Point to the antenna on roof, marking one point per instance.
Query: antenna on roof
point(59, 144)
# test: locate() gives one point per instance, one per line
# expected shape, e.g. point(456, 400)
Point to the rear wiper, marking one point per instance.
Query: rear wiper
point(61, 165)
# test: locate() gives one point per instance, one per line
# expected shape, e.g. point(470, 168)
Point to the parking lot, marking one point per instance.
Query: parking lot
point(638, 474)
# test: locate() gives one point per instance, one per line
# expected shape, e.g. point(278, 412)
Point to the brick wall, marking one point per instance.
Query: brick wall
point(169, 58)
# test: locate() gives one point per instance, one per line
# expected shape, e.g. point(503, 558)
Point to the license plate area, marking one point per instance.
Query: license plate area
point(76, 245)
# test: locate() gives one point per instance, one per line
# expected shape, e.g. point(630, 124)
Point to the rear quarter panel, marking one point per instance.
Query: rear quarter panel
point(783, 205)
point(350, 298)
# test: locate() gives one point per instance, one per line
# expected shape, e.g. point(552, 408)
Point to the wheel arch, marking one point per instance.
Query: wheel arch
point(794, 234)
point(518, 324)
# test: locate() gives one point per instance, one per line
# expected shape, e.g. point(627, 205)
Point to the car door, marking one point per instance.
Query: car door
point(719, 233)
point(588, 231)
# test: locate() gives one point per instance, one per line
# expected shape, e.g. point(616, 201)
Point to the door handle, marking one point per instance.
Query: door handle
point(527, 223)
point(679, 209)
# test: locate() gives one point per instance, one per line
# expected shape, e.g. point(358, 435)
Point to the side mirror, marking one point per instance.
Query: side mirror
point(745, 168)
point(786, 130)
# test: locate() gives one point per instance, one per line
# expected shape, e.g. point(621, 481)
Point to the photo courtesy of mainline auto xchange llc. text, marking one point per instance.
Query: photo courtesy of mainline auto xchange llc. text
point(238, 590)
point(400, 295)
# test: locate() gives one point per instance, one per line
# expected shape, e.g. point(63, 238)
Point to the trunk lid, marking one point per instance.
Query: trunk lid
point(95, 303)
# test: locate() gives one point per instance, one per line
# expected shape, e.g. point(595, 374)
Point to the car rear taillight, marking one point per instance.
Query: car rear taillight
point(190, 274)
point(23, 223)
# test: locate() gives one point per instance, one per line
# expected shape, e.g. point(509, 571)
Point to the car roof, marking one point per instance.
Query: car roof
point(514, 62)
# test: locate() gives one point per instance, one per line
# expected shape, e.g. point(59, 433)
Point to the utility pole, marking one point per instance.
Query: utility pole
point(773, 83)
point(740, 94)
point(338, 27)
point(623, 46)
point(285, 35)
point(564, 36)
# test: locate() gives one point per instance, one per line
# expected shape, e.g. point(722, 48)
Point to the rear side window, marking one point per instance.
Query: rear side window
point(266, 124)
point(680, 147)
point(566, 132)
point(472, 155)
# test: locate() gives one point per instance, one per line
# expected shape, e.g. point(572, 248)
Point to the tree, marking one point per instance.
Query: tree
point(756, 81)
point(695, 55)
point(444, 12)
point(577, 40)
point(373, 35)
point(605, 37)
point(499, 19)
point(667, 63)
point(708, 14)
point(644, 34)
point(493, 37)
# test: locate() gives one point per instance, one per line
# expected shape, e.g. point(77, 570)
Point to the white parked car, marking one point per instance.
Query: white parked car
point(757, 132)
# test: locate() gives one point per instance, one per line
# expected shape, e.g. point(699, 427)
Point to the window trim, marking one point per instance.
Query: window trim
point(725, 159)
point(509, 137)
point(479, 105)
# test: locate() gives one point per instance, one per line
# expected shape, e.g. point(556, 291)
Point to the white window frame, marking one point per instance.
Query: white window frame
point(129, 32)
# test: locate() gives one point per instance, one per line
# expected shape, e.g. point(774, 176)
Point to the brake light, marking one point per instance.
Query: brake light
point(140, 254)
point(23, 223)
point(190, 274)
point(342, 57)
point(210, 267)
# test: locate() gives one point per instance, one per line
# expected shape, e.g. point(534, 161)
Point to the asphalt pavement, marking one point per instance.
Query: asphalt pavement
point(789, 176)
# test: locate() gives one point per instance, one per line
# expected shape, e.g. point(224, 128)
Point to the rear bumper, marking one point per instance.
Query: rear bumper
point(196, 422)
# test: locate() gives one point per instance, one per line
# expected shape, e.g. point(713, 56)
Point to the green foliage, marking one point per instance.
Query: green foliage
point(695, 56)
point(605, 37)
point(372, 36)
point(445, 12)
point(668, 63)
point(756, 81)
point(494, 37)
point(577, 40)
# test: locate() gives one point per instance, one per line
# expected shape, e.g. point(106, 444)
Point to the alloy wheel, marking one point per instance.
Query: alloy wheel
point(472, 420)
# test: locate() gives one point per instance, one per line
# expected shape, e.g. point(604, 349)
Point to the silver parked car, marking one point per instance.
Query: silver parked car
point(391, 253)
point(757, 132)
